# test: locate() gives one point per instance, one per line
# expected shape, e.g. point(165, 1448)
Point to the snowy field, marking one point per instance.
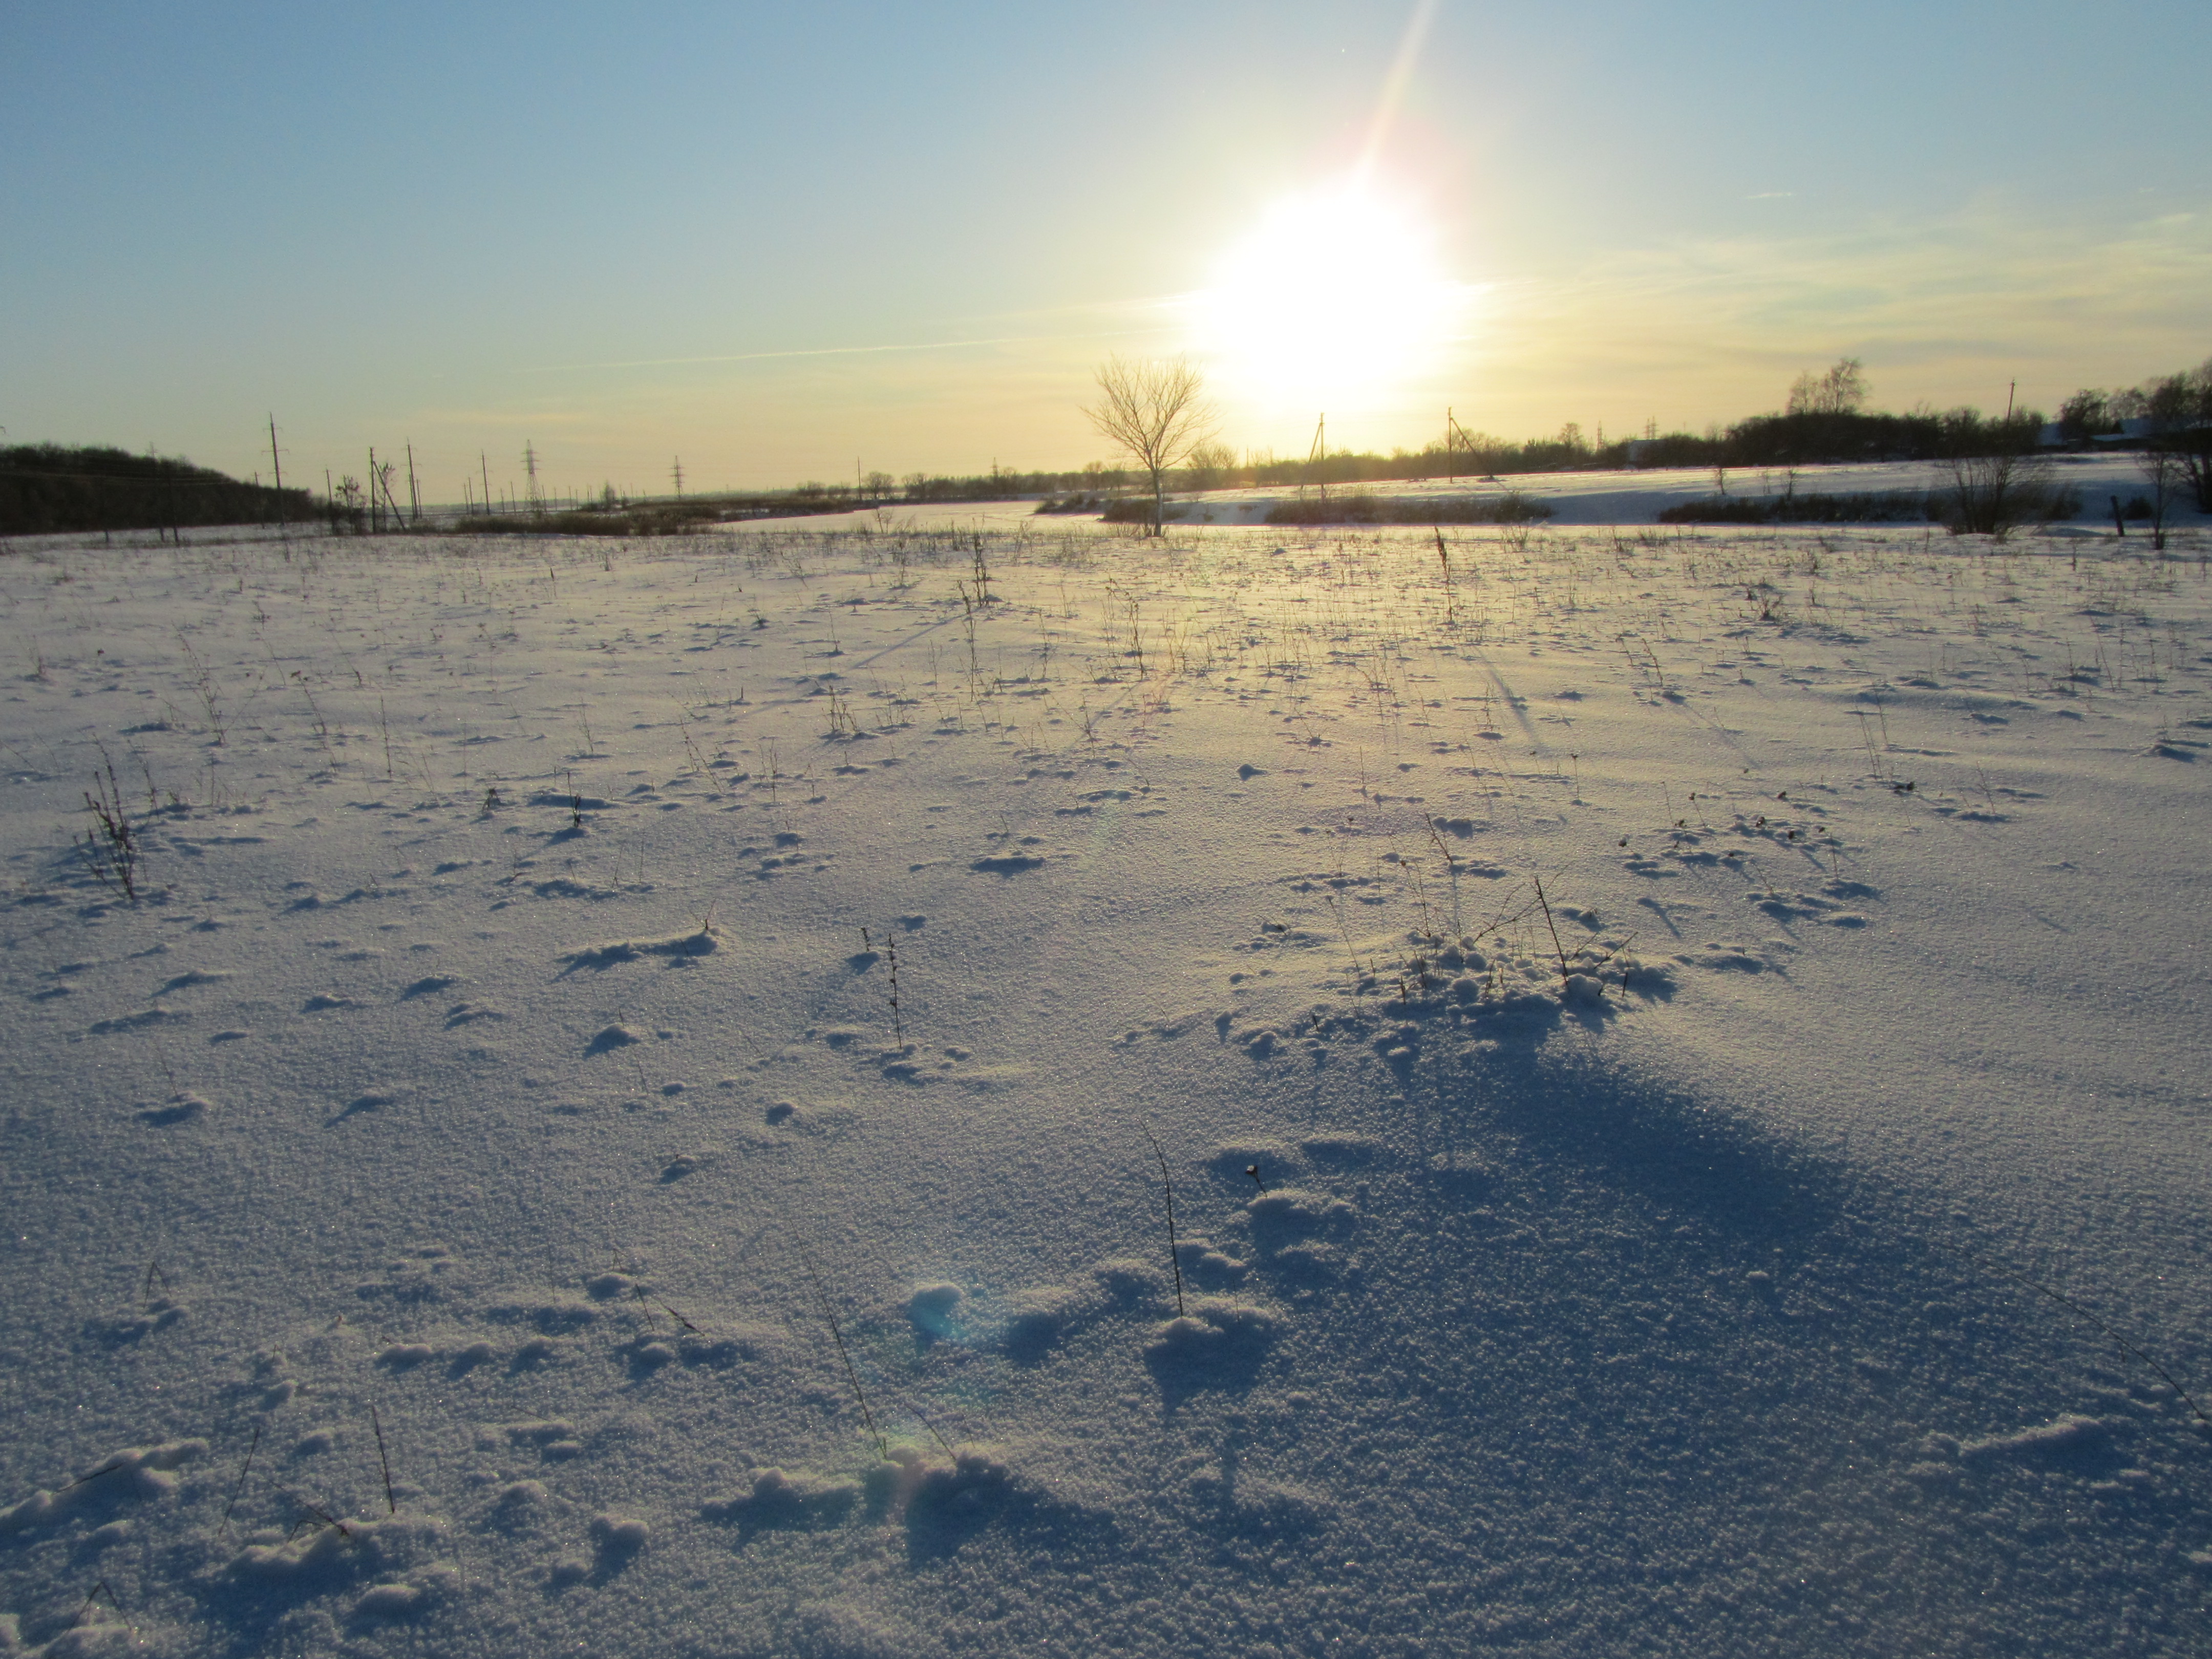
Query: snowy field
point(625, 1111)
point(1608, 497)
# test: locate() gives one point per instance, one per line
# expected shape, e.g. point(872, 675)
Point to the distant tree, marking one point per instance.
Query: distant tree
point(2086, 414)
point(1156, 412)
point(1209, 464)
point(1841, 390)
point(2176, 402)
point(2191, 440)
point(2178, 408)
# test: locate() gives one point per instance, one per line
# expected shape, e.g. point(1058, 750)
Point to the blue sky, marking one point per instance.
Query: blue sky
point(772, 239)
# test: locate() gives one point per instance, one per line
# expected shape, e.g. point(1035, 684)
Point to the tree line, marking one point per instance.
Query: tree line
point(48, 488)
point(1824, 420)
point(1155, 416)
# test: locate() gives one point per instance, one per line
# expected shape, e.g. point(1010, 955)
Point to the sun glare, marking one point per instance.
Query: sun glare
point(1333, 299)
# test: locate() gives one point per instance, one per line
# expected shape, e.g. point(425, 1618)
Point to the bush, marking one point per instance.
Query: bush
point(1993, 495)
point(1082, 500)
point(666, 520)
point(1134, 509)
point(1365, 506)
point(1877, 506)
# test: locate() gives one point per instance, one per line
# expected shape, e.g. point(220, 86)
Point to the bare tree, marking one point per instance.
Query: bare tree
point(1156, 412)
point(2188, 432)
point(1841, 390)
point(2165, 470)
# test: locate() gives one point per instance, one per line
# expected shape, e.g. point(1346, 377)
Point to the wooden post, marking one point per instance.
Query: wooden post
point(414, 495)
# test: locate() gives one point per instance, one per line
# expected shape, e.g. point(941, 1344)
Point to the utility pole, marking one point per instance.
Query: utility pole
point(678, 472)
point(530, 466)
point(375, 519)
point(484, 468)
point(283, 514)
point(414, 495)
point(1456, 435)
point(1315, 457)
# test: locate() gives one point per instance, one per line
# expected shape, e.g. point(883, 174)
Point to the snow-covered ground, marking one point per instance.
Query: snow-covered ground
point(671, 1049)
point(1609, 497)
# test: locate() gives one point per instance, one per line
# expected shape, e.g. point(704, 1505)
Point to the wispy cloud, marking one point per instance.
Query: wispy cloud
point(1709, 329)
point(801, 352)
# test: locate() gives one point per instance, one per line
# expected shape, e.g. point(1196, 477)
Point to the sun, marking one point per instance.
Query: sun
point(1335, 299)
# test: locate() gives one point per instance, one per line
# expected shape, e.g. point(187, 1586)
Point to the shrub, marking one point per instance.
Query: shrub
point(1993, 495)
point(1877, 506)
point(1363, 506)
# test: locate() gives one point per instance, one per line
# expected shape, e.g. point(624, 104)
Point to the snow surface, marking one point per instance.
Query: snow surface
point(498, 1079)
point(1608, 496)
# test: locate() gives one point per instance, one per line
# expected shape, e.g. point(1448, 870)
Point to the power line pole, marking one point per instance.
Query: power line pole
point(530, 466)
point(414, 495)
point(678, 470)
point(484, 468)
point(1454, 435)
point(283, 512)
point(1316, 457)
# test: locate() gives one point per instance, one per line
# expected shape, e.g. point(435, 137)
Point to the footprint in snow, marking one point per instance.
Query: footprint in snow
point(1011, 863)
point(178, 1108)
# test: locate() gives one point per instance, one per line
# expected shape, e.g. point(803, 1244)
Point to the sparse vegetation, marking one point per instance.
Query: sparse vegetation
point(111, 850)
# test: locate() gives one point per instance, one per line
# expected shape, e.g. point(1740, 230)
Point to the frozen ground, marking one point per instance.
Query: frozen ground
point(500, 1062)
point(1607, 498)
